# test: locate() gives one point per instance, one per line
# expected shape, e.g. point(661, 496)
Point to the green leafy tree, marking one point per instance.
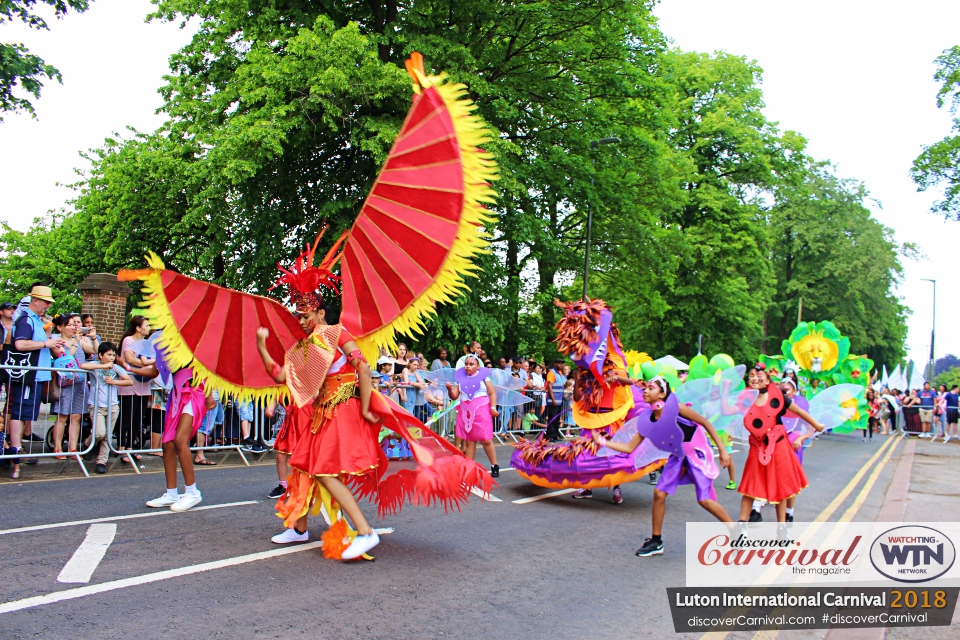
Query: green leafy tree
point(939, 164)
point(19, 67)
point(826, 248)
point(705, 271)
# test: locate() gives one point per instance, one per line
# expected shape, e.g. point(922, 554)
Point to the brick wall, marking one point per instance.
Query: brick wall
point(105, 298)
point(109, 311)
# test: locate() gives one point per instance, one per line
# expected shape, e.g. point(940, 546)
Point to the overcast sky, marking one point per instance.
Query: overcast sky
point(854, 77)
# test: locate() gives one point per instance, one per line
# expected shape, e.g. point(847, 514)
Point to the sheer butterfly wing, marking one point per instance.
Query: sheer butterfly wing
point(623, 435)
point(510, 398)
point(714, 399)
point(837, 404)
point(440, 376)
point(505, 380)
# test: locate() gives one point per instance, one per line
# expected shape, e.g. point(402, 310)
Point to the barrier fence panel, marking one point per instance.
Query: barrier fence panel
point(84, 410)
point(49, 417)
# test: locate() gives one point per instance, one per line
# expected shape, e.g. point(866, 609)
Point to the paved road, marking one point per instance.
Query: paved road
point(550, 568)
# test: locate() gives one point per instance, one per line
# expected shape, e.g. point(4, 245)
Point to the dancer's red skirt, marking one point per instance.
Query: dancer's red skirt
point(781, 478)
point(295, 424)
point(344, 444)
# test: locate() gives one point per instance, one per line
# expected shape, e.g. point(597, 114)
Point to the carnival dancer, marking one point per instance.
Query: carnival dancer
point(772, 471)
point(477, 409)
point(797, 430)
point(186, 408)
point(690, 463)
point(430, 193)
point(340, 439)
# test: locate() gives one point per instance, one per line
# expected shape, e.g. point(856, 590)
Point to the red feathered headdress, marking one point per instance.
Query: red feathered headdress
point(304, 279)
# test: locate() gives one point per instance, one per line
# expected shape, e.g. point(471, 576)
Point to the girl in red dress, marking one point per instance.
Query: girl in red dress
point(772, 471)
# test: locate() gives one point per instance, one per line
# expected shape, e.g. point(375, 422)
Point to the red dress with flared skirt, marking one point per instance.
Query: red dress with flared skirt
point(772, 471)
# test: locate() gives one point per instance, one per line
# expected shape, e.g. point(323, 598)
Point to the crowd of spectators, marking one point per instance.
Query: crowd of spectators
point(101, 390)
point(926, 413)
point(548, 385)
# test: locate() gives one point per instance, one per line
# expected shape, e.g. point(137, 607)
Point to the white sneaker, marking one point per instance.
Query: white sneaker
point(163, 501)
point(360, 545)
point(186, 501)
point(290, 535)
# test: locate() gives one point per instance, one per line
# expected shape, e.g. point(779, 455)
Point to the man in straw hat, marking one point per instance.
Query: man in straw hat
point(31, 341)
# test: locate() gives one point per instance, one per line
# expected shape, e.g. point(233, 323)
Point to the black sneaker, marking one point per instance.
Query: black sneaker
point(654, 476)
point(789, 517)
point(30, 460)
point(247, 442)
point(277, 492)
point(33, 438)
point(495, 471)
point(259, 448)
point(650, 548)
point(755, 516)
point(101, 468)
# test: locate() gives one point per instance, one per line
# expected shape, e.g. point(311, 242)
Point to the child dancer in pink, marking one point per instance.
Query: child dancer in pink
point(185, 411)
point(476, 410)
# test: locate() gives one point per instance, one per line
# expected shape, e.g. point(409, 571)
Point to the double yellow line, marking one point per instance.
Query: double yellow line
point(886, 451)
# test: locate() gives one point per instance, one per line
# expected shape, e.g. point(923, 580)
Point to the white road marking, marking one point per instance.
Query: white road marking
point(552, 494)
point(88, 555)
point(159, 512)
point(485, 496)
point(80, 592)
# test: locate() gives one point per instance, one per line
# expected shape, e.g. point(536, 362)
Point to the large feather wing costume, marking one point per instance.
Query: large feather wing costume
point(409, 249)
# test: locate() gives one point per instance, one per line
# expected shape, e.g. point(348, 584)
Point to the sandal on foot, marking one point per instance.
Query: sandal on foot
point(205, 463)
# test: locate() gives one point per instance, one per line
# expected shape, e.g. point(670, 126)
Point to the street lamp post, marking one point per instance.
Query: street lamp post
point(586, 253)
point(933, 329)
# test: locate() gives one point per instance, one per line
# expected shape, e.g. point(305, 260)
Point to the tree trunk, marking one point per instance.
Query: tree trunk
point(511, 342)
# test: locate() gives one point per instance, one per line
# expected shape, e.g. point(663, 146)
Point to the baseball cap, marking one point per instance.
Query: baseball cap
point(6, 305)
point(384, 360)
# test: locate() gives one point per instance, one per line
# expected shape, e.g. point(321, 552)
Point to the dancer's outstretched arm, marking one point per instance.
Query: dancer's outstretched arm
point(690, 414)
point(273, 369)
point(623, 447)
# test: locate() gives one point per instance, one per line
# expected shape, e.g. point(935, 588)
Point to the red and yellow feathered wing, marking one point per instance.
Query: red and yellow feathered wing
point(214, 330)
point(421, 224)
point(410, 247)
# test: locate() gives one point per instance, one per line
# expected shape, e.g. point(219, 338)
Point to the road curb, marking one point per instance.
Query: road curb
point(893, 509)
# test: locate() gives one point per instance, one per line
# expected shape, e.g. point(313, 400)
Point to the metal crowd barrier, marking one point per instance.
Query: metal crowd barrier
point(22, 396)
point(263, 429)
point(20, 402)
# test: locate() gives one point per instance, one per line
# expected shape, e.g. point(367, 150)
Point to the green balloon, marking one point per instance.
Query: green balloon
point(722, 361)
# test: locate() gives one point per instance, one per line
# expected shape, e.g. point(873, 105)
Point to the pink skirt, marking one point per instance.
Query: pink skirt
point(474, 421)
point(192, 402)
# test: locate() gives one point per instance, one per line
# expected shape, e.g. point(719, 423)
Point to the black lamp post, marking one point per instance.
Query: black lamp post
point(586, 253)
point(933, 329)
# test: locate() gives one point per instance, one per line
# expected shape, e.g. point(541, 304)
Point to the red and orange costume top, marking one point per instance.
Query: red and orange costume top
point(587, 334)
point(772, 471)
point(410, 248)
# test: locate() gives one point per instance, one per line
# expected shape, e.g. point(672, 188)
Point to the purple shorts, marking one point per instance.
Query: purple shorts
point(792, 436)
point(678, 471)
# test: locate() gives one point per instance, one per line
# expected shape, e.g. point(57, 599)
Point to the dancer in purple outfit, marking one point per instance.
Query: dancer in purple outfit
point(476, 410)
point(690, 463)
